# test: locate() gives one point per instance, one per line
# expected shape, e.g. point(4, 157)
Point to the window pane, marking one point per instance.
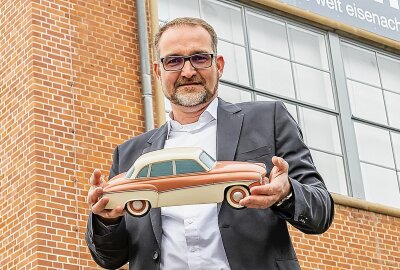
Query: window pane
point(308, 47)
point(226, 20)
point(360, 64)
point(170, 9)
point(374, 145)
point(313, 86)
point(187, 166)
point(290, 107)
point(273, 74)
point(389, 69)
point(367, 102)
point(267, 35)
point(161, 169)
point(207, 160)
point(393, 108)
point(236, 69)
point(320, 130)
point(143, 172)
point(396, 147)
point(380, 185)
point(332, 170)
point(233, 95)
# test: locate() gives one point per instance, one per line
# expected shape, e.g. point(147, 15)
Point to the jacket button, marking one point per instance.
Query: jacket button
point(302, 219)
point(155, 255)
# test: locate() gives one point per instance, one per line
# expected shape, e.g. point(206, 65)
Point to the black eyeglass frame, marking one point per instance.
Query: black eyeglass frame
point(188, 58)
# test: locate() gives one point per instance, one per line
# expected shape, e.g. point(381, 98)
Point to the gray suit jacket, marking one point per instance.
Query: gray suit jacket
point(252, 238)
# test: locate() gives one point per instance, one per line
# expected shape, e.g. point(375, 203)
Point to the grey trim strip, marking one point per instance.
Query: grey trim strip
point(349, 137)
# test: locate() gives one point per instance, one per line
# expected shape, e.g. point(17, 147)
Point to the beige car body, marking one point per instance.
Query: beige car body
point(220, 179)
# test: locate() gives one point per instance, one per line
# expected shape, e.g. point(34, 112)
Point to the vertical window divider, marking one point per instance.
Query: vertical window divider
point(247, 46)
point(351, 157)
point(388, 122)
point(291, 59)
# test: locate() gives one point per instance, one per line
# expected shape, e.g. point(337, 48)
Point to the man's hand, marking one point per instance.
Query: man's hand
point(97, 205)
point(279, 187)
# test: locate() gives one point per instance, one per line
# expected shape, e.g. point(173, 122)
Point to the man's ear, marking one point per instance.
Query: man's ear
point(220, 65)
point(156, 68)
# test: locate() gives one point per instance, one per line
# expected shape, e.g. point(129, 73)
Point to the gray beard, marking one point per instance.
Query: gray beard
point(193, 98)
point(190, 99)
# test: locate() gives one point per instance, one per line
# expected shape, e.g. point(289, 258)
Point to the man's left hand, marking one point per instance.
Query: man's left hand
point(279, 187)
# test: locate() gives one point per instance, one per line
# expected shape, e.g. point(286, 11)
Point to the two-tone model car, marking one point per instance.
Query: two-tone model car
point(182, 176)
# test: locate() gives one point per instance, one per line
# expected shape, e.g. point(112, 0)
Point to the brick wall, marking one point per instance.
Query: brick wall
point(70, 92)
point(17, 142)
point(357, 239)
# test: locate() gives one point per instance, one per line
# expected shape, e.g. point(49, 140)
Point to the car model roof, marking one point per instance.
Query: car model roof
point(168, 154)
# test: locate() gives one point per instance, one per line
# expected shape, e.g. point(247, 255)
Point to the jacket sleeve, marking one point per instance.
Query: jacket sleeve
point(311, 208)
point(108, 245)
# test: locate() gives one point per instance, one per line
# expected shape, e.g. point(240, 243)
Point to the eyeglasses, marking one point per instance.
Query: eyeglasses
point(198, 60)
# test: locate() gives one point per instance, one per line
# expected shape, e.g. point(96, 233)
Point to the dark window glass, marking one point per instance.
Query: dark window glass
point(161, 169)
point(188, 166)
point(143, 172)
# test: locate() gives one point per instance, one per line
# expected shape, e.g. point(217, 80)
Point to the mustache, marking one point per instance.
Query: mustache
point(194, 80)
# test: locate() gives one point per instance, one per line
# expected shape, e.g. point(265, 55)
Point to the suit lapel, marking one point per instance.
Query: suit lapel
point(229, 125)
point(157, 142)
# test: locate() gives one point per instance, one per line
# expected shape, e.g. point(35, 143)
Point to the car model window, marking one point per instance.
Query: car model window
point(207, 160)
point(188, 166)
point(161, 169)
point(143, 172)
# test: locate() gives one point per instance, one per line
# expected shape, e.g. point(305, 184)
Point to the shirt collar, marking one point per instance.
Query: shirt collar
point(207, 116)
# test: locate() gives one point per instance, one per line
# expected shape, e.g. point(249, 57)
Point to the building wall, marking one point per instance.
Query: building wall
point(18, 159)
point(357, 239)
point(70, 92)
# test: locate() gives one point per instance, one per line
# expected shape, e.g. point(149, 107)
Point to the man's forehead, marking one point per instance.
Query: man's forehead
point(180, 31)
point(185, 40)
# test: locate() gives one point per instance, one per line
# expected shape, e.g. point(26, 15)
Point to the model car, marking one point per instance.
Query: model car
point(182, 176)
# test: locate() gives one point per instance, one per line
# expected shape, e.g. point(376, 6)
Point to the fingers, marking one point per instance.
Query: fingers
point(96, 183)
point(96, 178)
point(100, 205)
point(94, 194)
point(264, 196)
point(257, 201)
point(280, 164)
point(99, 209)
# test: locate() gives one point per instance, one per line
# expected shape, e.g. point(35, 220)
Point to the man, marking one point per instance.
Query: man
point(212, 236)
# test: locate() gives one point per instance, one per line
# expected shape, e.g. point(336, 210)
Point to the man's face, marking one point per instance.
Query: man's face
point(189, 86)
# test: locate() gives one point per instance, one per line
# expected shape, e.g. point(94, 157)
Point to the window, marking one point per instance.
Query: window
point(143, 172)
point(188, 166)
point(207, 160)
point(373, 85)
point(356, 104)
point(161, 169)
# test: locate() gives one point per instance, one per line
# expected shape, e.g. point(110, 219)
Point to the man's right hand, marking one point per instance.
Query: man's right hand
point(108, 217)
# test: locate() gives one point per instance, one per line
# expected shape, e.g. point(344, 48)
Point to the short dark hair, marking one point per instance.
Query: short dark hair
point(185, 21)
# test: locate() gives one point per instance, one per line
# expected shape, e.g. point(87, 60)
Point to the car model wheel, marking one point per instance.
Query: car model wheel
point(138, 208)
point(234, 194)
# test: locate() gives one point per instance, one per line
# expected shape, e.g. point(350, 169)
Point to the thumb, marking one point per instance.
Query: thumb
point(280, 164)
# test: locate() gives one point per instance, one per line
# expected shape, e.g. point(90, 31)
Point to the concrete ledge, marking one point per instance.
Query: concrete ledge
point(365, 205)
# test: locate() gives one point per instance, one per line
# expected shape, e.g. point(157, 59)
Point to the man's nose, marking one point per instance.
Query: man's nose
point(188, 70)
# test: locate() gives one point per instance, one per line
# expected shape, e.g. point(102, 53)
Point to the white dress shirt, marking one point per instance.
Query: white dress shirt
point(190, 234)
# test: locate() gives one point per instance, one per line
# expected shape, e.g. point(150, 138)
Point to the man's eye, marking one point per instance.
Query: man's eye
point(171, 61)
point(200, 58)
